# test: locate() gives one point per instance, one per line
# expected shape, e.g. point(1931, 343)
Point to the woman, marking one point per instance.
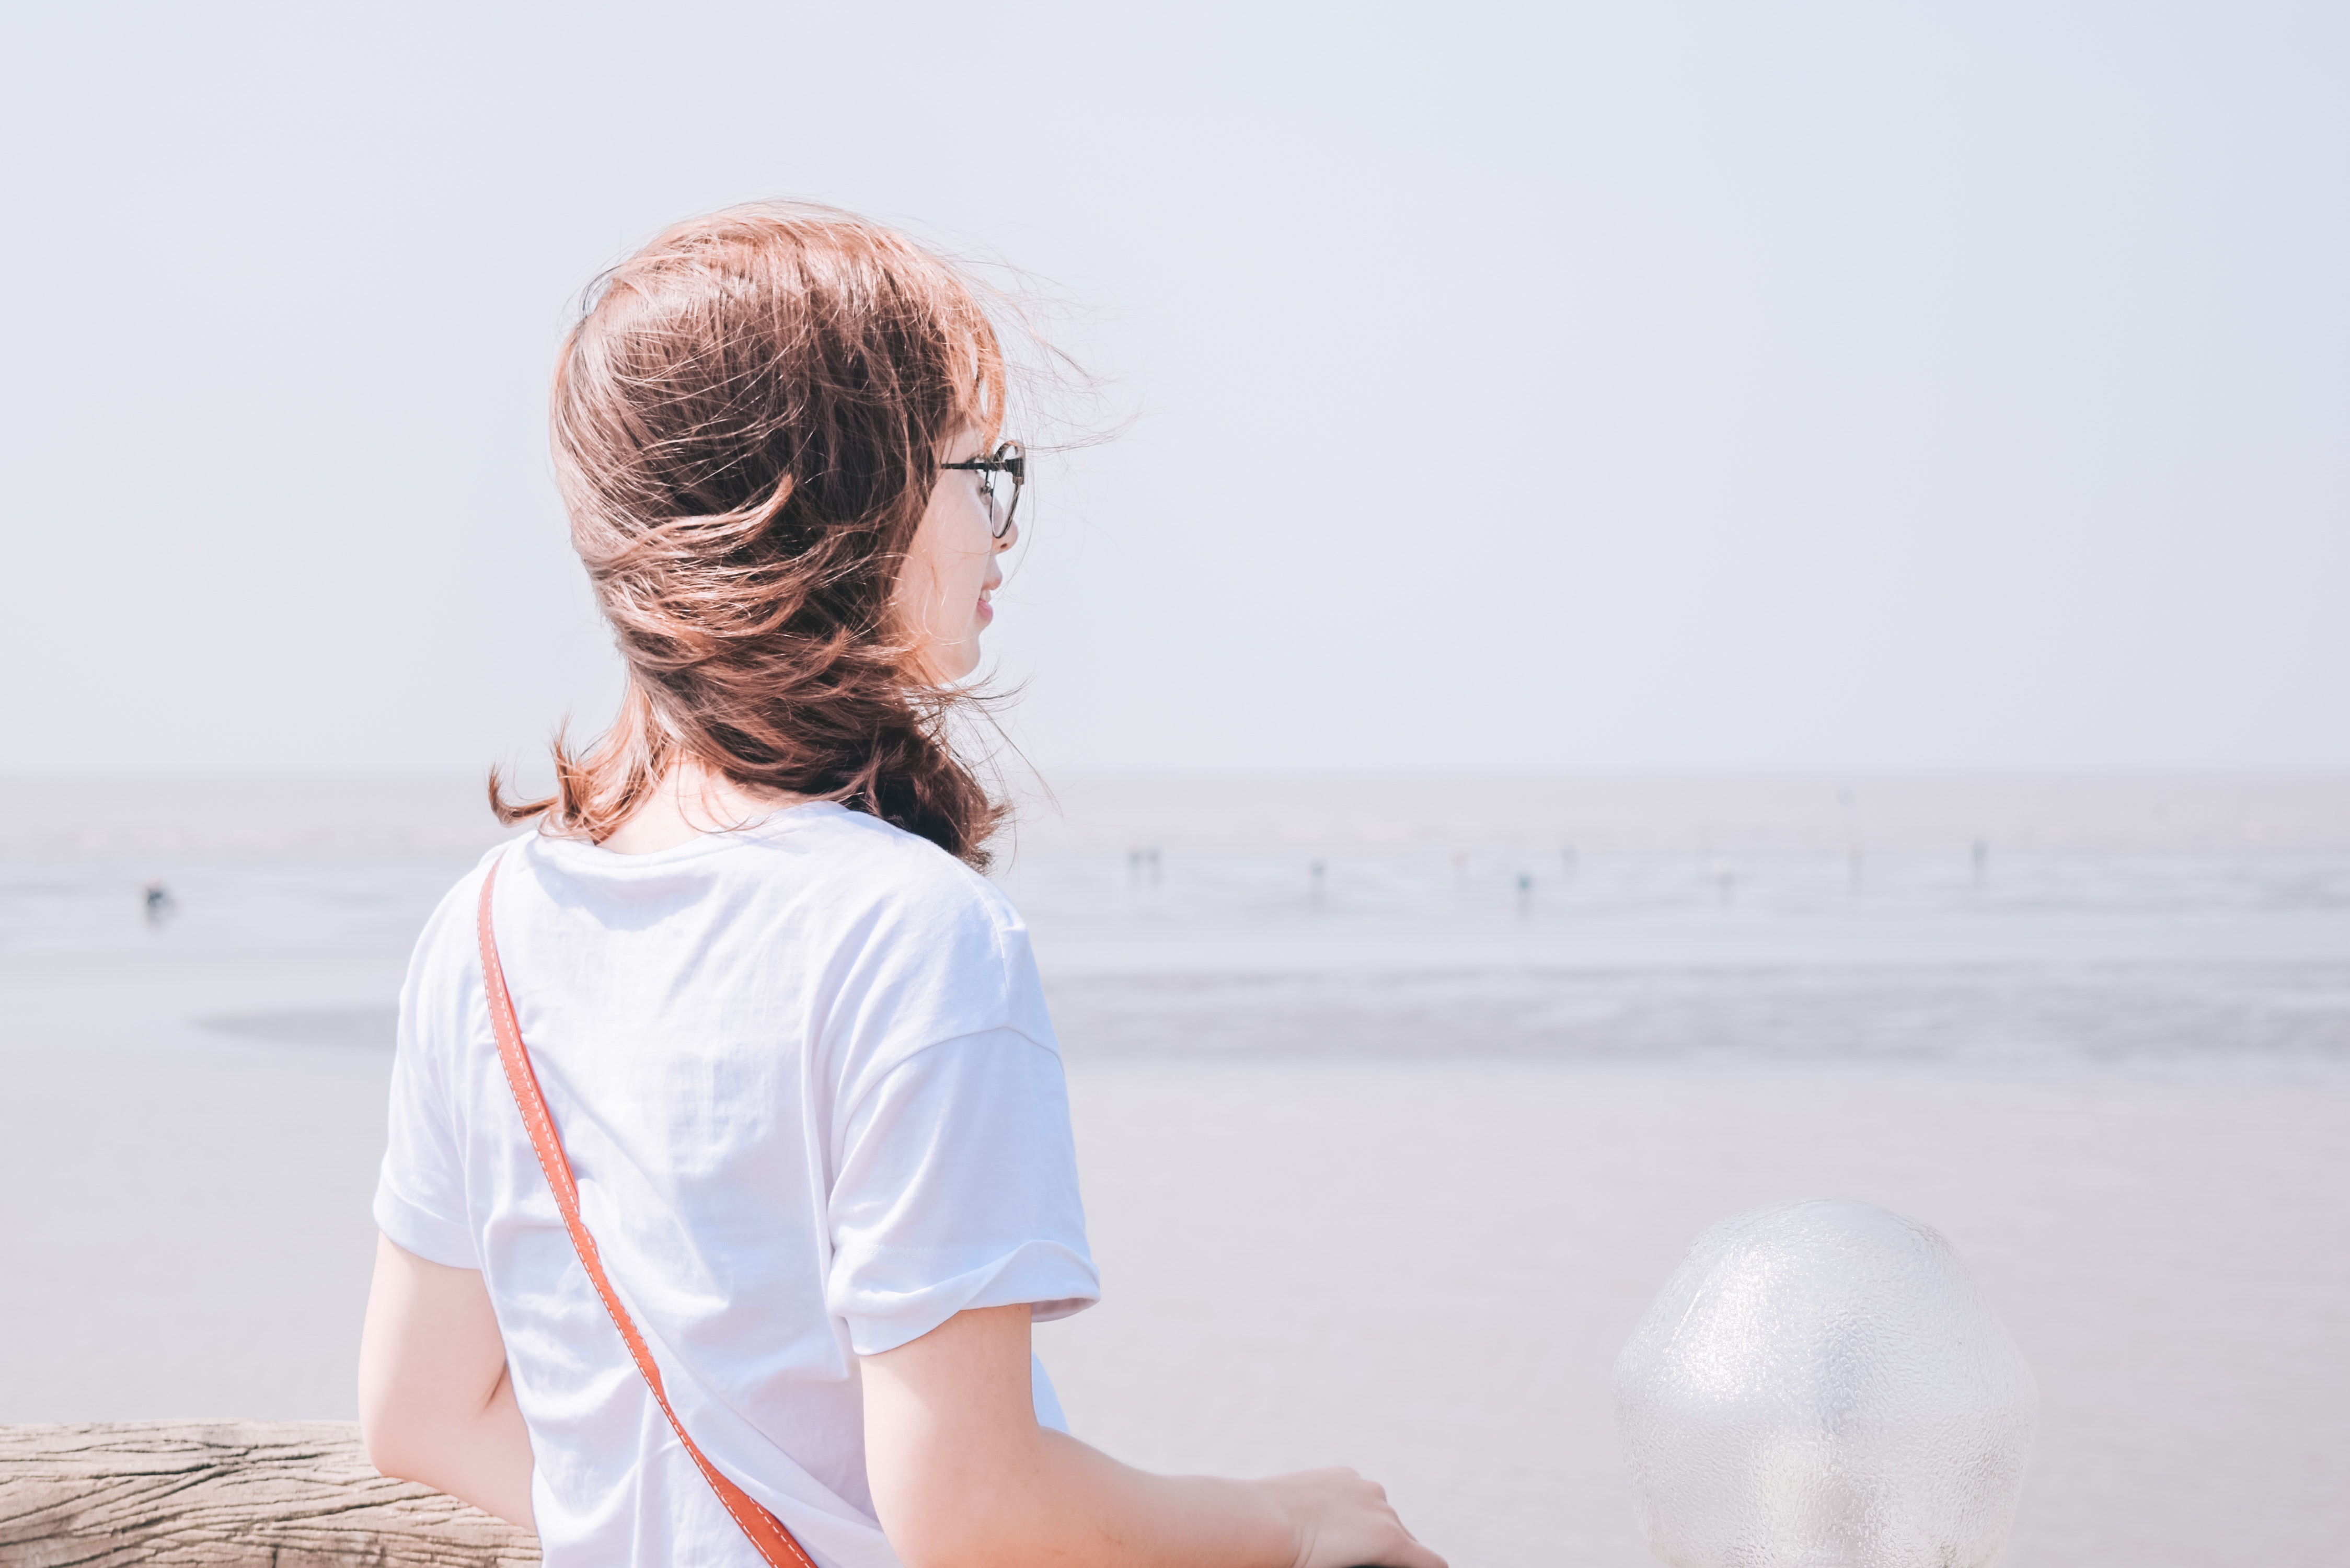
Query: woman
point(790, 1043)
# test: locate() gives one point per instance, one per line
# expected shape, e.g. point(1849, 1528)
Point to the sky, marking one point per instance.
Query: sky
point(1494, 387)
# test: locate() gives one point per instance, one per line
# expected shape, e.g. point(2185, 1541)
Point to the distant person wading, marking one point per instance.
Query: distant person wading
point(730, 1157)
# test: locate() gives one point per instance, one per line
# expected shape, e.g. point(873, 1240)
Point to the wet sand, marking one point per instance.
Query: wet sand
point(1419, 1268)
point(1424, 1269)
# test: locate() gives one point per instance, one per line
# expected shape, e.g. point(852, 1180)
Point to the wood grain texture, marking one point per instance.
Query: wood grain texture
point(228, 1494)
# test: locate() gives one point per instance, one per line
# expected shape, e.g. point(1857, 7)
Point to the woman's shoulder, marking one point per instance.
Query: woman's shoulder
point(445, 960)
point(820, 873)
point(882, 856)
point(879, 868)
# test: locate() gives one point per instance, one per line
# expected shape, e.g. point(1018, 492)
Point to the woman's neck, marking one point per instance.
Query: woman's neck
point(690, 802)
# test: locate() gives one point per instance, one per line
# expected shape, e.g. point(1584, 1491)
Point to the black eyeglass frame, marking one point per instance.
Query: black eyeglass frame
point(1010, 457)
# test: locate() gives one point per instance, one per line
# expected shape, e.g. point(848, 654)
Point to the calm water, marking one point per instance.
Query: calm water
point(1607, 920)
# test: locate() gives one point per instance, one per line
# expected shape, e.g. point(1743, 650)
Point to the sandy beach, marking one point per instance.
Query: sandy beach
point(1378, 1182)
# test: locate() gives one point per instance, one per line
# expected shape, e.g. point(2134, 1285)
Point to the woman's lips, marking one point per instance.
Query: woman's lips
point(986, 610)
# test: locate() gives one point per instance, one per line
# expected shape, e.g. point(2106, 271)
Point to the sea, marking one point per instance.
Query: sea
point(1573, 918)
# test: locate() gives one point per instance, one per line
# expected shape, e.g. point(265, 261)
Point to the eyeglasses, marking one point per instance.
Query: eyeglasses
point(1009, 459)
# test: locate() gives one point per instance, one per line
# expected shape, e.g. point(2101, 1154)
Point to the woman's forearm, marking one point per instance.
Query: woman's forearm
point(963, 1477)
point(1063, 1502)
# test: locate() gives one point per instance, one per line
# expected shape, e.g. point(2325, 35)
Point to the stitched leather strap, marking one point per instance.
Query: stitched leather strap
point(767, 1533)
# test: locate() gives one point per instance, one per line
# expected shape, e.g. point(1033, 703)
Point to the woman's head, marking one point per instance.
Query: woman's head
point(752, 425)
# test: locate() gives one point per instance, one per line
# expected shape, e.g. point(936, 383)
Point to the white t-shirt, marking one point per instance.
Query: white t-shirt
point(807, 1084)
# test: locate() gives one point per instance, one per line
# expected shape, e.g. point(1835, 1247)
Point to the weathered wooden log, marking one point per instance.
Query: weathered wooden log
point(228, 1494)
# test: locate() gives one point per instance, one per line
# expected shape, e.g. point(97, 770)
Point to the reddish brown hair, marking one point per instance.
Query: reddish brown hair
point(746, 428)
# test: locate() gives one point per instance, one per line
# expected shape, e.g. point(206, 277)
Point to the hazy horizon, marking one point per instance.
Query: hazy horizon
point(1100, 815)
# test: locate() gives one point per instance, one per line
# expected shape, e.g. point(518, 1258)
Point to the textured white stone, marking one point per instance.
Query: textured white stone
point(1819, 1386)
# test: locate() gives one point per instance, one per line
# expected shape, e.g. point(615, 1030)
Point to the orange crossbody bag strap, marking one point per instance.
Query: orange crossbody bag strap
point(767, 1533)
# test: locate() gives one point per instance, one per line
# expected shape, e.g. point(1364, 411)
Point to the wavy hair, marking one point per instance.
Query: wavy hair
point(746, 424)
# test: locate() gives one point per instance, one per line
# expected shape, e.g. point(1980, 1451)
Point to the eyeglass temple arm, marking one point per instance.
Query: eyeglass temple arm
point(995, 462)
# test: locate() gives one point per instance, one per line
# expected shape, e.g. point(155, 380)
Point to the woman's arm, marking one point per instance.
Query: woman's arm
point(963, 1477)
point(435, 1404)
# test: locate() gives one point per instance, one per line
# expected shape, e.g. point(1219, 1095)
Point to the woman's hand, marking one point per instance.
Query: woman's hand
point(1342, 1521)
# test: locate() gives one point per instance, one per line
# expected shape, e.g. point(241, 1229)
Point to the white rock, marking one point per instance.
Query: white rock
point(1820, 1387)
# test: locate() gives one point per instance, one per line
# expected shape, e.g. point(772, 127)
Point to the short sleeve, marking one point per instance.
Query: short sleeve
point(420, 1194)
point(957, 1188)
